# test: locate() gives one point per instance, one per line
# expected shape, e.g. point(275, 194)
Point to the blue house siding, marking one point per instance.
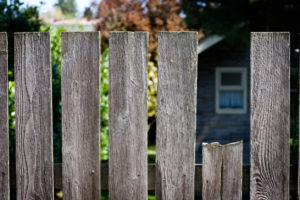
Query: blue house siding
point(213, 127)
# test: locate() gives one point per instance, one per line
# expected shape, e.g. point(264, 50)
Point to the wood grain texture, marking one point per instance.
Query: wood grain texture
point(4, 142)
point(232, 171)
point(81, 115)
point(176, 115)
point(128, 115)
point(270, 116)
point(34, 158)
point(212, 171)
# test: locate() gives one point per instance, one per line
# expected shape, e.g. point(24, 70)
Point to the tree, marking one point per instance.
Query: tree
point(120, 15)
point(88, 14)
point(68, 7)
point(215, 16)
point(135, 15)
point(14, 18)
point(163, 16)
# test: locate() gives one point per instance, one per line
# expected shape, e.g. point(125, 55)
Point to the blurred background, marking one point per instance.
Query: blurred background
point(223, 27)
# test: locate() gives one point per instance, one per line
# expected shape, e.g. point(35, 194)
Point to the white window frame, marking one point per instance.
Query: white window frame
point(219, 87)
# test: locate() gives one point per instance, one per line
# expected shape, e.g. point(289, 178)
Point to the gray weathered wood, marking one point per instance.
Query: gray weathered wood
point(128, 115)
point(34, 158)
point(232, 171)
point(212, 171)
point(270, 115)
point(81, 115)
point(176, 115)
point(4, 143)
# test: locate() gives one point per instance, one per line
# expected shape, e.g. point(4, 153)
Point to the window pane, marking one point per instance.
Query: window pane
point(231, 78)
point(231, 100)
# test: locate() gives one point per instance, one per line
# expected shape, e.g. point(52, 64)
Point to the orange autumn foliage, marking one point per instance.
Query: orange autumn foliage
point(133, 15)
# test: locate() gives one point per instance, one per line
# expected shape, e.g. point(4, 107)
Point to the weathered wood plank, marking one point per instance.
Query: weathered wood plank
point(212, 171)
point(81, 115)
point(128, 115)
point(34, 157)
point(176, 115)
point(232, 169)
point(4, 143)
point(270, 115)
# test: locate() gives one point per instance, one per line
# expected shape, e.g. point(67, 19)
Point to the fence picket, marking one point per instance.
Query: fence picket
point(212, 171)
point(80, 115)
point(232, 171)
point(128, 115)
point(4, 143)
point(270, 116)
point(176, 115)
point(34, 162)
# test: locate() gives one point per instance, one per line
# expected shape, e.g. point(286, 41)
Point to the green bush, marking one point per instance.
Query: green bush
point(12, 124)
point(104, 105)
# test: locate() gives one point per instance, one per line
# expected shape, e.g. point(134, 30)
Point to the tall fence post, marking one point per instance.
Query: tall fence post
point(128, 115)
point(81, 115)
point(4, 143)
point(176, 115)
point(34, 157)
point(270, 116)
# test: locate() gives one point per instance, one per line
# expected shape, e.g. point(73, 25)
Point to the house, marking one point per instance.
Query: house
point(223, 94)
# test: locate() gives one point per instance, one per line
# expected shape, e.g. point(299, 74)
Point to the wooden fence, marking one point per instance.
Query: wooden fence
point(127, 175)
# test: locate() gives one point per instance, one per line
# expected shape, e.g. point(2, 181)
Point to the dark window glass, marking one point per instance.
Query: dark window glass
point(231, 78)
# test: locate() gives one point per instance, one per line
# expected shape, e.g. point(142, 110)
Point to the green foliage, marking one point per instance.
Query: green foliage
point(56, 89)
point(152, 93)
point(68, 7)
point(104, 105)
point(12, 125)
point(151, 101)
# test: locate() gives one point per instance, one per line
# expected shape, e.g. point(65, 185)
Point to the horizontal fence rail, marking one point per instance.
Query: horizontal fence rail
point(151, 177)
point(127, 175)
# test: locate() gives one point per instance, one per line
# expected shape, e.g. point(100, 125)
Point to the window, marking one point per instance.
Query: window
point(231, 90)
